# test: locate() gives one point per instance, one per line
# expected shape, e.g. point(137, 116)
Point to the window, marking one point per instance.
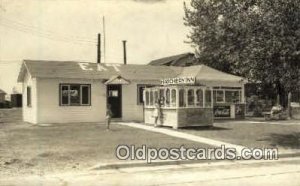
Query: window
point(232, 96)
point(140, 90)
point(65, 94)
point(173, 98)
point(151, 98)
point(220, 97)
point(191, 97)
point(207, 98)
point(85, 90)
point(155, 96)
point(29, 96)
point(199, 94)
point(162, 96)
point(181, 98)
point(147, 97)
point(113, 93)
point(168, 97)
point(75, 95)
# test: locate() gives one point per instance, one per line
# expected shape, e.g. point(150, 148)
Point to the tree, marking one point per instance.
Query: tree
point(257, 39)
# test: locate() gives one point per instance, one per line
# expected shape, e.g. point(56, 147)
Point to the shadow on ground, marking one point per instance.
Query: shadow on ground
point(203, 128)
point(291, 140)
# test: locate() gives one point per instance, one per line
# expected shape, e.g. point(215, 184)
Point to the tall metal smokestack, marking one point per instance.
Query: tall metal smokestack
point(99, 49)
point(124, 52)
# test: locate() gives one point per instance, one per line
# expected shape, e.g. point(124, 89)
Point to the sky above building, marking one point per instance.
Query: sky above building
point(67, 30)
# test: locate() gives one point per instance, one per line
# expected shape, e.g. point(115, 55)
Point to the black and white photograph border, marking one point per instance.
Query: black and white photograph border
point(149, 92)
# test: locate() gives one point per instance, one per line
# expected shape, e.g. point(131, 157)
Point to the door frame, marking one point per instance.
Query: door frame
point(119, 95)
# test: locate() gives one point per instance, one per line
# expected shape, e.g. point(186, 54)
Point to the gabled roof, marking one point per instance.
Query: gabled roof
point(84, 70)
point(204, 73)
point(117, 80)
point(2, 91)
point(176, 60)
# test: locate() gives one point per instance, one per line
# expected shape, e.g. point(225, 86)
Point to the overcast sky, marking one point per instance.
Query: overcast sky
point(67, 30)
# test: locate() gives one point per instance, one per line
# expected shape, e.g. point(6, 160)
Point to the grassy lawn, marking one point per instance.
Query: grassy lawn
point(32, 149)
point(284, 137)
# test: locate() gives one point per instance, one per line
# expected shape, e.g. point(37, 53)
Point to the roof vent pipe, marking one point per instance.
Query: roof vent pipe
point(99, 49)
point(124, 52)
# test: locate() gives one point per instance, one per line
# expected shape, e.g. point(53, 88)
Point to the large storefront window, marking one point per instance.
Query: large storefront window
point(75, 95)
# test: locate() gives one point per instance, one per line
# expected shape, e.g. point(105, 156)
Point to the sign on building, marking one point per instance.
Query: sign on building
point(178, 81)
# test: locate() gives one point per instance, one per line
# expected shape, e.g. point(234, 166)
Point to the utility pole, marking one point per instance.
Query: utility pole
point(124, 52)
point(99, 49)
point(104, 40)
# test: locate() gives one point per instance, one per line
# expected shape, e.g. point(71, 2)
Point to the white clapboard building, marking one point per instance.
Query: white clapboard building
point(66, 91)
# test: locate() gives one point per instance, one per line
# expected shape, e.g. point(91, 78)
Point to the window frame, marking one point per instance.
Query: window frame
point(208, 94)
point(140, 99)
point(80, 94)
point(232, 92)
point(29, 96)
point(199, 99)
point(190, 97)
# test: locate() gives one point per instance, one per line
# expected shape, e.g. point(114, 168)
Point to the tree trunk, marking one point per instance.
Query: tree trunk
point(289, 105)
point(282, 95)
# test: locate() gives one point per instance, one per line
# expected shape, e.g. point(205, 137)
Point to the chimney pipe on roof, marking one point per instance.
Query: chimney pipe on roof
point(99, 49)
point(124, 51)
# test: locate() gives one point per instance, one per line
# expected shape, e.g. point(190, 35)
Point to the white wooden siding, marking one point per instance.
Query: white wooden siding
point(30, 113)
point(51, 112)
point(130, 109)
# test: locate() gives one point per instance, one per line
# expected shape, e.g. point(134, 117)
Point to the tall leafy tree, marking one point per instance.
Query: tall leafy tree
point(258, 39)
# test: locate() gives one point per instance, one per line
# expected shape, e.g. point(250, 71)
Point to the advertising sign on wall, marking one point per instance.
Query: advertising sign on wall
point(222, 111)
point(178, 81)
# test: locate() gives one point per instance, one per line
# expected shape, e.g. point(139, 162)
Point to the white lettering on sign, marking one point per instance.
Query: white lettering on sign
point(84, 66)
point(100, 67)
point(115, 66)
point(178, 81)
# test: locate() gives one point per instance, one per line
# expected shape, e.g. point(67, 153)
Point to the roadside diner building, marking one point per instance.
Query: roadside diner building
point(67, 91)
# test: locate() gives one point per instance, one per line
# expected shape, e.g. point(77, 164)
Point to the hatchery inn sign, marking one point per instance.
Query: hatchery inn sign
point(178, 81)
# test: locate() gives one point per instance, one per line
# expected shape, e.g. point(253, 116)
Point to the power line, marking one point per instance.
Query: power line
point(43, 36)
point(28, 30)
point(38, 29)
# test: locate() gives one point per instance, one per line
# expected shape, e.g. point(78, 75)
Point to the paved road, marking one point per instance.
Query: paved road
point(280, 172)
